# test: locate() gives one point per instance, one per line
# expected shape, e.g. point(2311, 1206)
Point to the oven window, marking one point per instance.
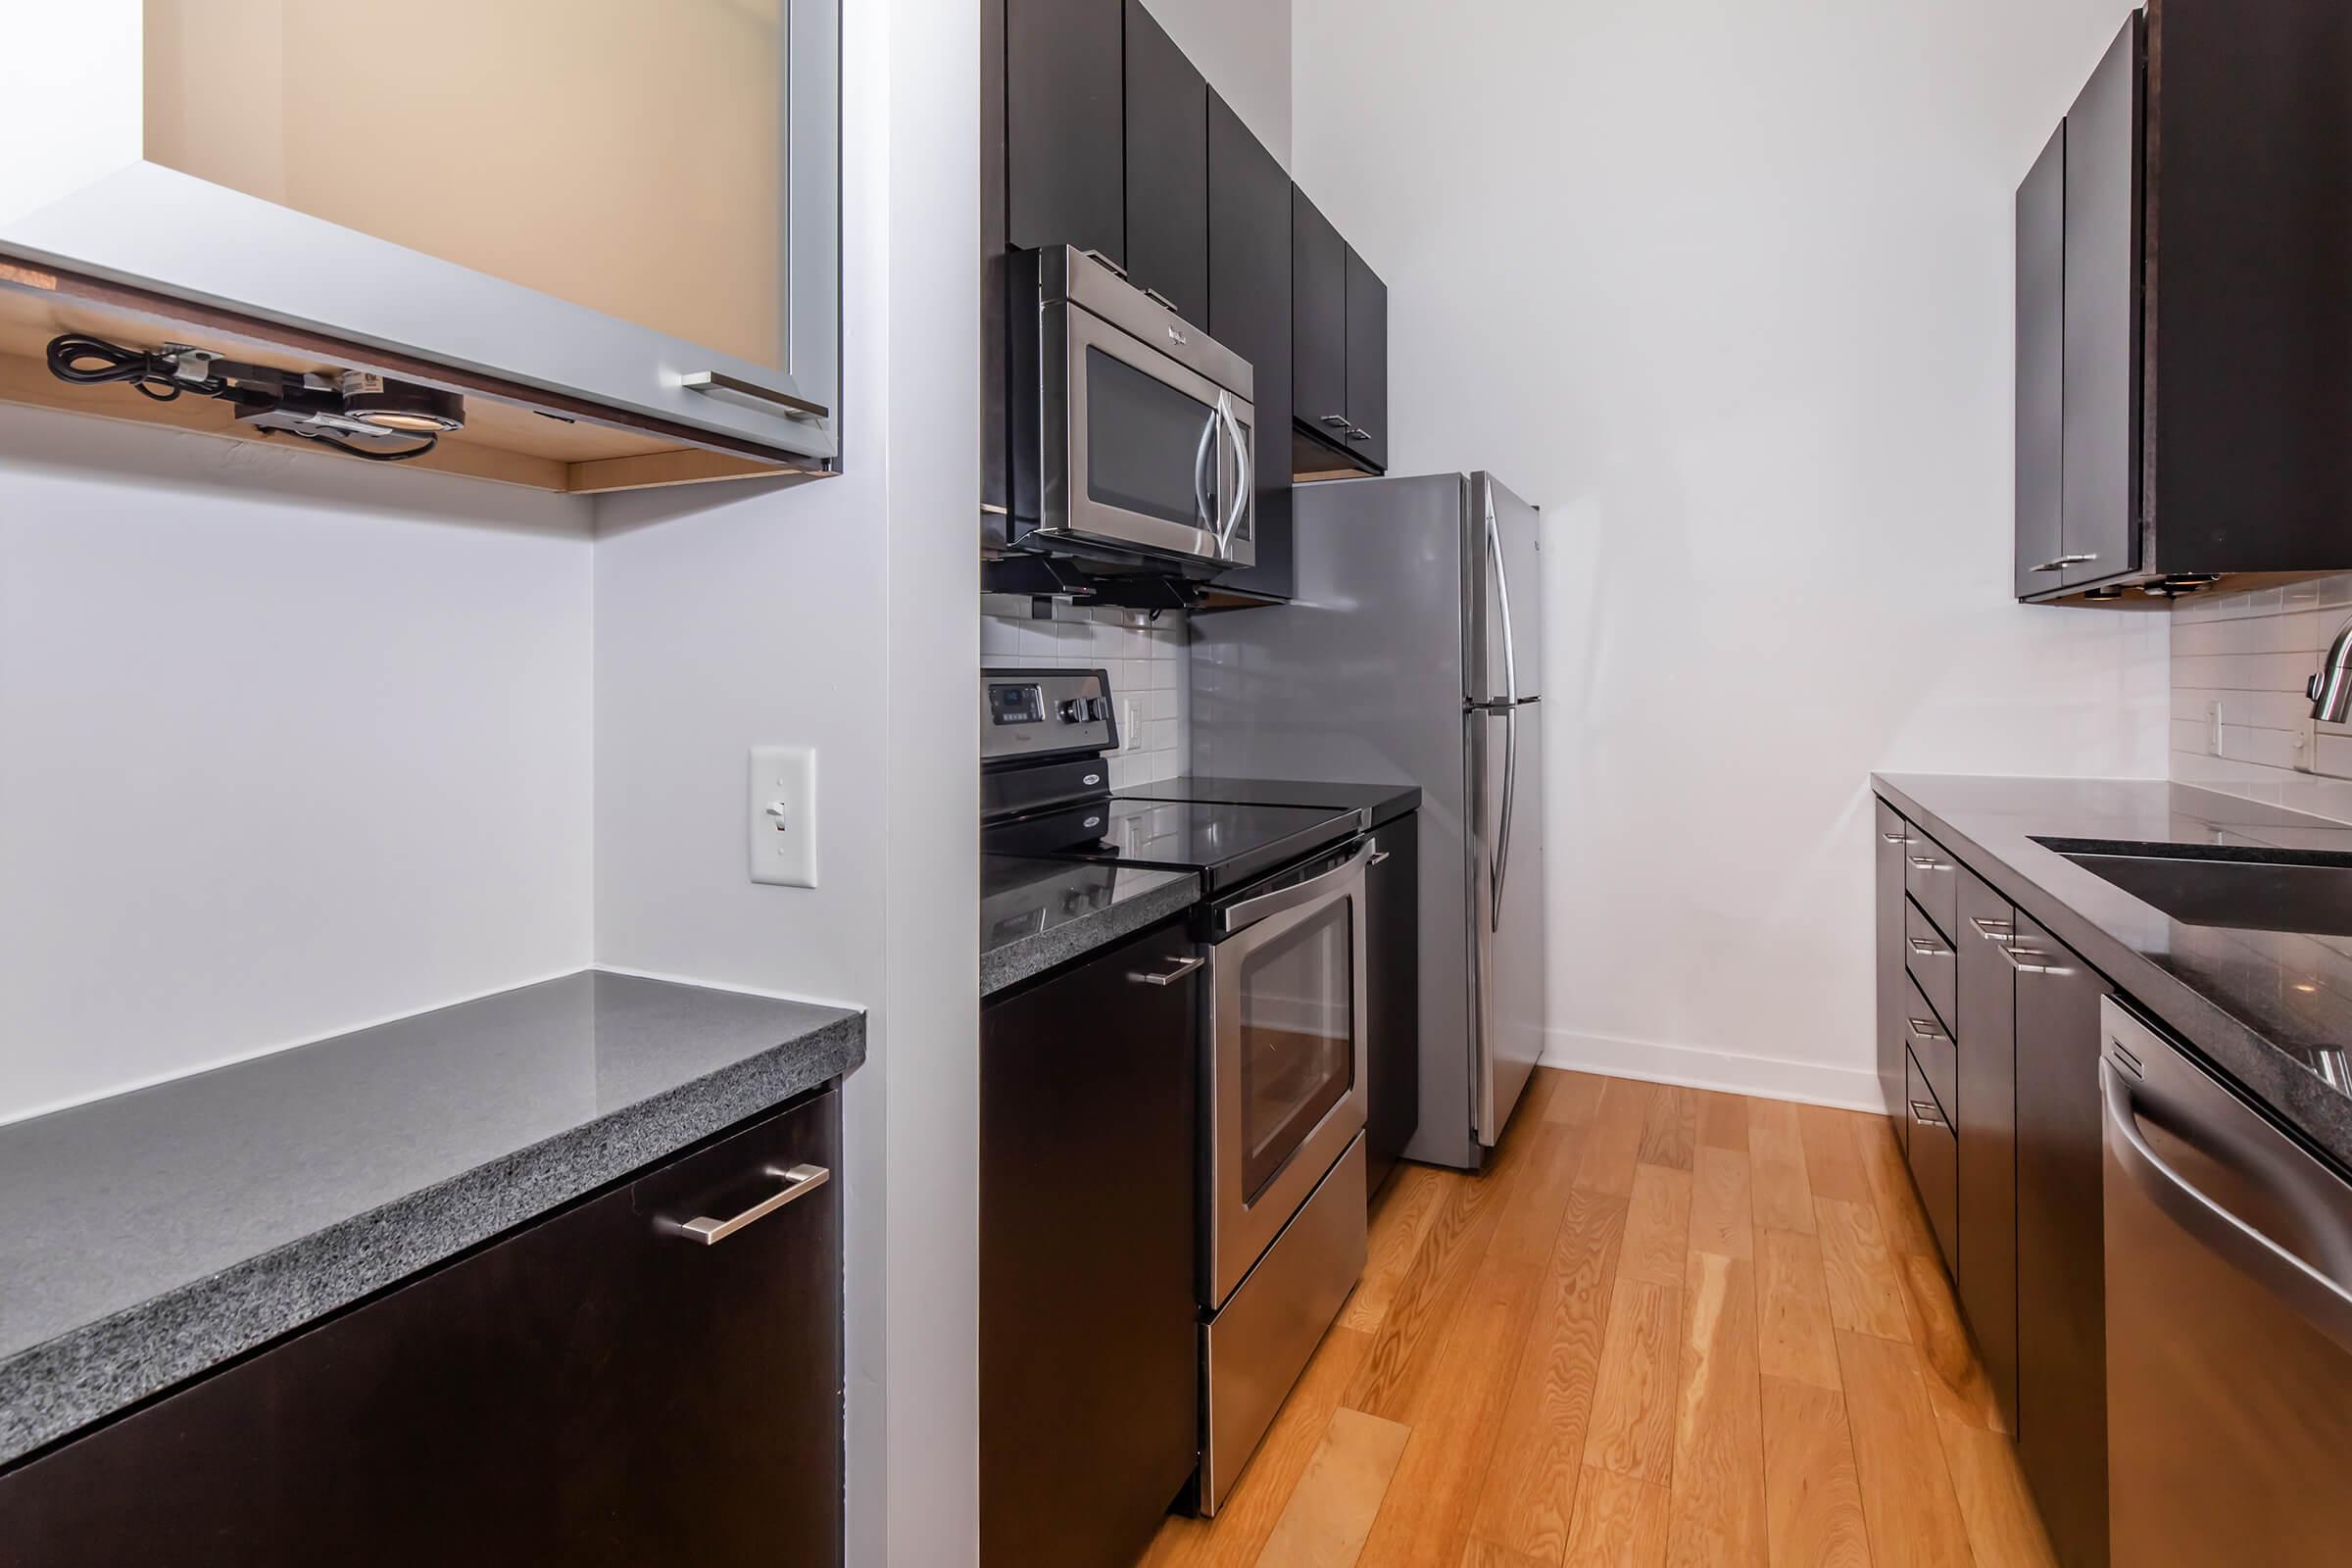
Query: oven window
point(1149, 447)
point(1297, 997)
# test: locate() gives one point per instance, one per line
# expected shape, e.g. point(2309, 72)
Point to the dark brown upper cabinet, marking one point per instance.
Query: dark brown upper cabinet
point(1339, 343)
point(1065, 112)
point(1167, 168)
point(2183, 421)
point(1250, 302)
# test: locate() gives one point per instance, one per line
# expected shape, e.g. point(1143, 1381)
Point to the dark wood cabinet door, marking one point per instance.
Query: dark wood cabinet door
point(2061, 1283)
point(1167, 168)
point(1894, 984)
point(1066, 125)
point(1985, 1119)
point(1249, 313)
point(1319, 321)
point(1393, 997)
point(1089, 1337)
point(591, 1390)
point(2041, 370)
point(1368, 369)
point(2103, 228)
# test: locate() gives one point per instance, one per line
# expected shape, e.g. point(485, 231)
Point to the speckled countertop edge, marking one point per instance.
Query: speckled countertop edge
point(1008, 965)
point(55, 1388)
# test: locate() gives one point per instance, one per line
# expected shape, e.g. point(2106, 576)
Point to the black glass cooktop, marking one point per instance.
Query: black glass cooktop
point(1226, 844)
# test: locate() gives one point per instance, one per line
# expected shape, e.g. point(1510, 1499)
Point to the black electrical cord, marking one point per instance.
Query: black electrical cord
point(93, 362)
point(329, 439)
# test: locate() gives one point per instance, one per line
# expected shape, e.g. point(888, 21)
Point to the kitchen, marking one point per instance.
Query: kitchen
point(1421, 1085)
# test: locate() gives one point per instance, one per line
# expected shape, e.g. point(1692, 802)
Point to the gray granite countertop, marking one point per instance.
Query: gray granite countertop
point(1036, 914)
point(149, 1237)
point(2271, 1010)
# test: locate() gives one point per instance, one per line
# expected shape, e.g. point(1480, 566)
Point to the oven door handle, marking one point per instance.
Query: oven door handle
point(1249, 912)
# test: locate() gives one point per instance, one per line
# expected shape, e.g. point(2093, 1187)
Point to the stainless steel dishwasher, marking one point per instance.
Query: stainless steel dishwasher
point(2229, 1321)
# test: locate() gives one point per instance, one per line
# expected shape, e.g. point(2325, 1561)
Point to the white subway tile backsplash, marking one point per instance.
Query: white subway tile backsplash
point(2251, 654)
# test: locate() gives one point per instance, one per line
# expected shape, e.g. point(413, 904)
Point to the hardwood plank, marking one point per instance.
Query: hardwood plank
point(1718, 1514)
point(1795, 1335)
point(1620, 1522)
point(1428, 1297)
point(1889, 1177)
point(1812, 1497)
point(1670, 1132)
point(1631, 1431)
point(1833, 1153)
point(1489, 1554)
point(1657, 1226)
point(1574, 1098)
point(1331, 1510)
point(1614, 1137)
point(1957, 1387)
point(1414, 1199)
point(1531, 1215)
point(1234, 1538)
point(1542, 1084)
point(1424, 1517)
point(1865, 1294)
point(1773, 1132)
point(1906, 1485)
point(1722, 1120)
point(2004, 1528)
point(1529, 1492)
point(1784, 1198)
point(1722, 1215)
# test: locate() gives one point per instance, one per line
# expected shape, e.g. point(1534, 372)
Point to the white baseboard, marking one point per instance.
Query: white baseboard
point(1697, 1067)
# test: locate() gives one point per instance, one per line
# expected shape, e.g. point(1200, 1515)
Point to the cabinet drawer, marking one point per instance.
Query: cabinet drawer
point(1932, 879)
point(1929, 956)
point(1930, 1045)
point(1935, 1166)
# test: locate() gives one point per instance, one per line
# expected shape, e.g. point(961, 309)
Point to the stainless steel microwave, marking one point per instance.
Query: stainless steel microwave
point(1134, 433)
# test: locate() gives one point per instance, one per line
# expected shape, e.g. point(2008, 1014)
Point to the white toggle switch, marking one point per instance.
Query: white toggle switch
point(783, 817)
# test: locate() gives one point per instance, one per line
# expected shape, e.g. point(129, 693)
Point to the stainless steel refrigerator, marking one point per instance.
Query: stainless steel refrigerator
point(1414, 652)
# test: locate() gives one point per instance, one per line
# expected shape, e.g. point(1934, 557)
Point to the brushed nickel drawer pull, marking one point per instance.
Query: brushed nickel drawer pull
point(1926, 862)
point(734, 388)
point(1183, 966)
point(1927, 948)
point(1993, 930)
point(1895, 838)
point(2064, 562)
point(799, 1181)
point(1925, 1030)
point(1925, 1114)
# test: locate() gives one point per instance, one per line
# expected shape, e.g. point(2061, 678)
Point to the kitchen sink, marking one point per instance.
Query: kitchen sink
point(2309, 892)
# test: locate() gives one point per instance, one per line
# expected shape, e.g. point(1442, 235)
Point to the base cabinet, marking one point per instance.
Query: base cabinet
point(1393, 997)
point(594, 1388)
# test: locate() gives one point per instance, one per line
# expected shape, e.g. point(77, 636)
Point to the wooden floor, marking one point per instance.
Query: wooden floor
point(1668, 1326)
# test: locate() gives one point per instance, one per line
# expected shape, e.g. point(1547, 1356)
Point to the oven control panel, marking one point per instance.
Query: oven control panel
point(1045, 713)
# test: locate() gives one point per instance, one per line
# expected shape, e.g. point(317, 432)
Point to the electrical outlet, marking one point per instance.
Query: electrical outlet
point(783, 815)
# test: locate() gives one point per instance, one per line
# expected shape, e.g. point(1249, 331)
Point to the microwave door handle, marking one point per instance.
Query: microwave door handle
point(1241, 477)
point(1205, 508)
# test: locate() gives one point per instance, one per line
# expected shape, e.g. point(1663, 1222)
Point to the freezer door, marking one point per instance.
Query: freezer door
point(1502, 569)
point(1508, 986)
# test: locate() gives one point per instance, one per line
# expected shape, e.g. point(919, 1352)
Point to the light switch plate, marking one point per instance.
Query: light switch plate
point(783, 815)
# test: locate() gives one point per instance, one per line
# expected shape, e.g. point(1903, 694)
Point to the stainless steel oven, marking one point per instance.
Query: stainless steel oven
point(1135, 435)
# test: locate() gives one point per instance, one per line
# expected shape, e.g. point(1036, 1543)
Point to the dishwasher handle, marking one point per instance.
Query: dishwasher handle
point(2320, 1301)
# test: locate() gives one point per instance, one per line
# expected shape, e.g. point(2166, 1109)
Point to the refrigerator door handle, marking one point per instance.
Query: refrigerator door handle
point(1502, 590)
point(1511, 796)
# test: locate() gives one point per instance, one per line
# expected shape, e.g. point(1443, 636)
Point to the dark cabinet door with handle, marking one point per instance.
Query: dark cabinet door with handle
point(1167, 168)
point(1064, 125)
point(1249, 313)
point(599, 1387)
point(1319, 324)
point(1984, 1116)
point(2103, 461)
point(1393, 997)
point(1367, 374)
point(2060, 1285)
point(1088, 1335)
point(2041, 370)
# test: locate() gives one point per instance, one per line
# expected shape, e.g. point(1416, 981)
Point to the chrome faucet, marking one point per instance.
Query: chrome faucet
point(2330, 689)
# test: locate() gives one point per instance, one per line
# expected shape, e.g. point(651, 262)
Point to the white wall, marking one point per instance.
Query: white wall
point(1727, 287)
point(286, 746)
point(1243, 48)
